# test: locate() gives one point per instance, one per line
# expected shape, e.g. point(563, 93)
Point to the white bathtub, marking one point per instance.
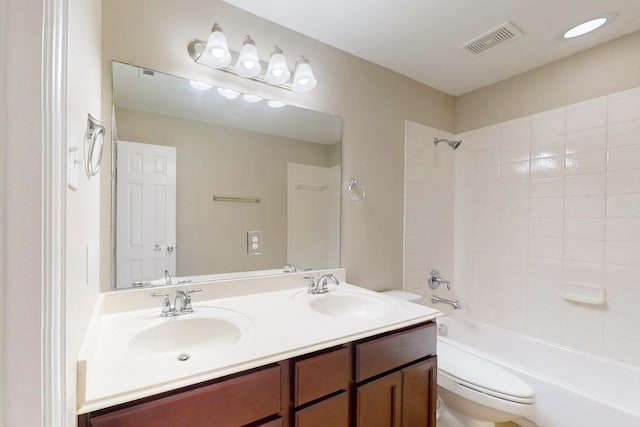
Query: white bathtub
point(573, 389)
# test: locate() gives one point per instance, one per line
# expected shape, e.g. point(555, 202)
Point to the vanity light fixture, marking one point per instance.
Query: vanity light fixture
point(248, 64)
point(276, 104)
point(200, 85)
point(251, 98)
point(215, 53)
point(216, 50)
point(228, 93)
point(585, 27)
point(277, 71)
point(303, 79)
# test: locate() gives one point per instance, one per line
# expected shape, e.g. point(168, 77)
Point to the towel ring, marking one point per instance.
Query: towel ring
point(356, 190)
point(95, 130)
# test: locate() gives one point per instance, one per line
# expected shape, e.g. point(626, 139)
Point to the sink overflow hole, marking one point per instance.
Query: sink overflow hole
point(183, 357)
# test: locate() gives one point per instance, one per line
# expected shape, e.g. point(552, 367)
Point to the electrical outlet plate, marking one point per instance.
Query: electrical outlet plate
point(254, 242)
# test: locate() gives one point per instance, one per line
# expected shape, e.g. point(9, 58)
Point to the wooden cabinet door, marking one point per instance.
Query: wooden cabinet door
point(419, 394)
point(379, 403)
point(275, 423)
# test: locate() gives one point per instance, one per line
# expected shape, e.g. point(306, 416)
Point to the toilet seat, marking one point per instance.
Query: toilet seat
point(482, 376)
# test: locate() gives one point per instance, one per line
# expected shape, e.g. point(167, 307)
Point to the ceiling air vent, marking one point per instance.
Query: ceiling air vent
point(492, 38)
point(144, 74)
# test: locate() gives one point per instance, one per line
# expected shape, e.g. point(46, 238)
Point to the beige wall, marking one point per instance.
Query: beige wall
point(83, 205)
point(3, 144)
point(373, 102)
point(225, 161)
point(22, 212)
point(605, 69)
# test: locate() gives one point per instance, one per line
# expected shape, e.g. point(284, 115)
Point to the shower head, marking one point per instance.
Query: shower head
point(452, 144)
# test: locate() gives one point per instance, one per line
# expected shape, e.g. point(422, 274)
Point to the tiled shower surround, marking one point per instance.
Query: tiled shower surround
point(541, 202)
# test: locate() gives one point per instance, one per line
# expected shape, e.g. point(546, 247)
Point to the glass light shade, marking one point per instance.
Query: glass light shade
point(251, 98)
point(303, 78)
point(276, 104)
point(277, 70)
point(248, 64)
point(218, 48)
point(200, 85)
point(228, 93)
point(585, 28)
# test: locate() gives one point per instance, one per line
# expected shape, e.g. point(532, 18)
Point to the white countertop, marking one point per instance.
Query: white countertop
point(274, 322)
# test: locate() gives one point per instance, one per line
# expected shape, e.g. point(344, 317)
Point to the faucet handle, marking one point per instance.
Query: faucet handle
point(435, 279)
point(166, 304)
point(311, 284)
point(289, 268)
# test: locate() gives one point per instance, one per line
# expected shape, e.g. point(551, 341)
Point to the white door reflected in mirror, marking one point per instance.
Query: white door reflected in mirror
point(146, 214)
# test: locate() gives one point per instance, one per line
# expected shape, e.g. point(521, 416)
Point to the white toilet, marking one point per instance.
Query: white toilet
point(475, 392)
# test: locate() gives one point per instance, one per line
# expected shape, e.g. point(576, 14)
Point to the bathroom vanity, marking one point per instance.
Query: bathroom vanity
point(350, 357)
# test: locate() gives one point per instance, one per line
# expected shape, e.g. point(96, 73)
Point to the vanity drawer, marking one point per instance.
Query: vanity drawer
point(229, 403)
point(388, 352)
point(333, 412)
point(321, 375)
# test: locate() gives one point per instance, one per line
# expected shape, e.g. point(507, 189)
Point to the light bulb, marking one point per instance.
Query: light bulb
point(248, 64)
point(217, 52)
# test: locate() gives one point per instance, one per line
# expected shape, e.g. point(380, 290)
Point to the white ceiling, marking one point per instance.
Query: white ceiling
point(421, 38)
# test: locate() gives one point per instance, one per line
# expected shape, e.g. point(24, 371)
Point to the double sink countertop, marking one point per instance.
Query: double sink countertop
point(130, 351)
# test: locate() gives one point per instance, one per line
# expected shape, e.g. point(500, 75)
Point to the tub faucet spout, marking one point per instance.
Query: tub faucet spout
point(454, 303)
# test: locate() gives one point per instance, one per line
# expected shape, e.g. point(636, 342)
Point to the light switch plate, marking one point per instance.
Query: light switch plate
point(73, 177)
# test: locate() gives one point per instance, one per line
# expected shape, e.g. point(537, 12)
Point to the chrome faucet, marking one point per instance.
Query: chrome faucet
point(322, 282)
point(454, 303)
point(320, 287)
point(182, 304)
point(289, 268)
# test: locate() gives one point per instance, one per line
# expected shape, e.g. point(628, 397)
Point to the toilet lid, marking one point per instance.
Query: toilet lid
point(482, 375)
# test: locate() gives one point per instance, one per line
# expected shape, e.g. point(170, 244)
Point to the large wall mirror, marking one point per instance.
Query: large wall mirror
point(211, 187)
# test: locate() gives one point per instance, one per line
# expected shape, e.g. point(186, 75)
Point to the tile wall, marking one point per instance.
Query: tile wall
point(540, 202)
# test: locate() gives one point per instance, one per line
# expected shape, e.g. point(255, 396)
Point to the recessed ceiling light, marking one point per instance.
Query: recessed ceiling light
point(585, 28)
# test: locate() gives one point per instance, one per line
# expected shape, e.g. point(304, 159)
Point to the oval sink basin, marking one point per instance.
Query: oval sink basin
point(350, 305)
point(183, 334)
point(206, 329)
